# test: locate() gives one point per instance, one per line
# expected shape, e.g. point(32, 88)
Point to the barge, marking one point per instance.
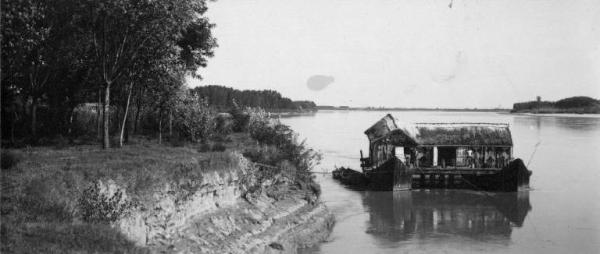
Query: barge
point(438, 155)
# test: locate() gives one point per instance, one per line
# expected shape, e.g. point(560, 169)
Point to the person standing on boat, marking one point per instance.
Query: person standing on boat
point(490, 161)
point(420, 155)
point(505, 158)
point(476, 159)
point(470, 160)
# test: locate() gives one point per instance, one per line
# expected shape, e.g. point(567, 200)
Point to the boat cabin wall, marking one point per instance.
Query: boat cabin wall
point(381, 152)
point(442, 156)
point(462, 156)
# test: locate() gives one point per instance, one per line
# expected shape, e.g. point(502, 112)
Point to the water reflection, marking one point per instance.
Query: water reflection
point(402, 216)
point(583, 123)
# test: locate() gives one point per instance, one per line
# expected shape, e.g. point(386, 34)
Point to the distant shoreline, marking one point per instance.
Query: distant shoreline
point(557, 112)
point(411, 109)
point(571, 105)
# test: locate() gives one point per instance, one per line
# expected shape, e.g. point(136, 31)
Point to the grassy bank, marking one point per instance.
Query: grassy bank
point(43, 187)
point(41, 192)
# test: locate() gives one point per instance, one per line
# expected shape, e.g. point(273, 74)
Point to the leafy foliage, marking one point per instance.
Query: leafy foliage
point(194, 118)
point(577, 102)
point(240, 118)
point(281, 147)
point(57, 55)
point(98, 205)
point(226, 98)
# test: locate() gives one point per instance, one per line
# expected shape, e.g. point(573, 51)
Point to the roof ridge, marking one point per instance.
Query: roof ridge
point(464, 123)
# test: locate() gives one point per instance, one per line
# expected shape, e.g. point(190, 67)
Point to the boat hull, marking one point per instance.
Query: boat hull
point(514, 177)
point(393, 175)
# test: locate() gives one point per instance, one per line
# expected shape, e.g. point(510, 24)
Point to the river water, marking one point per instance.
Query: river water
point(560, 214)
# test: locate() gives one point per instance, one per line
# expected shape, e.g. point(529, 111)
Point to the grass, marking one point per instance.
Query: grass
point(43, 186)
point(127, 166)
point(65, 238)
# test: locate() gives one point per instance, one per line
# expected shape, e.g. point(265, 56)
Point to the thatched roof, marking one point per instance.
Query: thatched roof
point(441, 134)
point(381, 127)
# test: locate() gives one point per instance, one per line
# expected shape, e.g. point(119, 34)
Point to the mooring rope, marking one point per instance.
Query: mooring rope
point(532, 154)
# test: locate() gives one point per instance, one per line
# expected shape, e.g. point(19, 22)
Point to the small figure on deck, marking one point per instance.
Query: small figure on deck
point(490, 161)
point(470, 159)
point(477, 158)
point(504, 158)
point(420, 158)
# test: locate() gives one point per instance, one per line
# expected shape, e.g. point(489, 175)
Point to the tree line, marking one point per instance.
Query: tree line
point(123, 62)
point(223, 98)
point(576, 104)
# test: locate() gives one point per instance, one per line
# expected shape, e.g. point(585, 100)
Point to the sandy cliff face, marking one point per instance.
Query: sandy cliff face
point(221, 216)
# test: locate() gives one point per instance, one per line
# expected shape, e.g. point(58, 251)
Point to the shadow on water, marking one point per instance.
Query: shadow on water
point(403, 216)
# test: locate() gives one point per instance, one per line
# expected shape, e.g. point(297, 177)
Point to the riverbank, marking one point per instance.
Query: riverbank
point(146, 198)
point(571, 105)
point(584, 115)
point(557, 111)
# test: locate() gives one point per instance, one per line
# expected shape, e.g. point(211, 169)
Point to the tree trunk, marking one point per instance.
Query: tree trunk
point(106, 140)
point(99, 116)
point(127, 132)
point(170, 123)
point(160, 127)
point(34, 118)
point(137, 112)
point(12, 127)
point(70, 128)
point(125, 116)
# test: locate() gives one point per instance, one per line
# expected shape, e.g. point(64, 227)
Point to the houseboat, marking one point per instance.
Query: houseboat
point(439, 155)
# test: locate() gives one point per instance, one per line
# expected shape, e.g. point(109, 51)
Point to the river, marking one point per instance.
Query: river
point(560, 214)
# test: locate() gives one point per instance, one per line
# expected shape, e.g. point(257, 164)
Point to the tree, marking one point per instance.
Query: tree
point(24, 37)
point(60, 55)
point(122, 30)
point(194, 116)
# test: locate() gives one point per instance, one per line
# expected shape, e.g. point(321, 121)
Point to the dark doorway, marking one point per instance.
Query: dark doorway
point(446, 156)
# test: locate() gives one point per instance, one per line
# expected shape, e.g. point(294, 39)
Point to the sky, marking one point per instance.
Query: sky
point(407, 53)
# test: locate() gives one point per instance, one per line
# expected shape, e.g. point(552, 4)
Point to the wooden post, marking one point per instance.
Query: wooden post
point(435, 156)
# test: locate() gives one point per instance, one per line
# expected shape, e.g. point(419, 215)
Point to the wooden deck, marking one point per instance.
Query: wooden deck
point(447, 170)
point(455, 171)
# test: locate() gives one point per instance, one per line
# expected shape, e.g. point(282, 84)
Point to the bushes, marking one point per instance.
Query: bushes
point(224, 124)
point(218, 147)
point(194, 118)
point(240, 118)
point(206, 147)
point(9, 159)
point(103, 203)
point(280, 147)
point(264, 154)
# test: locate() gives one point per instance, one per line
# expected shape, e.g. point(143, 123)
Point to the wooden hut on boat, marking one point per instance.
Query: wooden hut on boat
point(449, 155)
